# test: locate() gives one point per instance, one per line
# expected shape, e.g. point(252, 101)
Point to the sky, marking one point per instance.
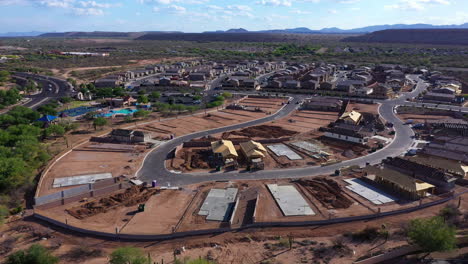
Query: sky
point(208, 15)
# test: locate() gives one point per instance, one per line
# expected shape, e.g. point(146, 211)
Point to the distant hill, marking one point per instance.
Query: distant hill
point(237, 37)
point(335, 30)
point(95, 34)
point(416, 36)
point(21, 34)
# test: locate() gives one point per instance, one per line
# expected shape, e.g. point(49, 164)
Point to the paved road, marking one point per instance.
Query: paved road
point(154, 165)
point(52, 88)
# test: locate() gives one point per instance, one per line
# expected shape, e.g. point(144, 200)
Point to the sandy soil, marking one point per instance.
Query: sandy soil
point(90, 159)
point(422, 118)
point(247, 246)
point(363, 108)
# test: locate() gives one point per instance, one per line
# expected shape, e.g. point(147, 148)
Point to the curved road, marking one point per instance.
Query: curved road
point(60, 88)
point(153, 167)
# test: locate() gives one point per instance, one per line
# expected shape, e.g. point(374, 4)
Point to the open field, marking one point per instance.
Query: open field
point(93, 158)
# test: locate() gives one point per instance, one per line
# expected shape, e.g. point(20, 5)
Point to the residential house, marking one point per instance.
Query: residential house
point(224, 151)
point(254, 152)
point(439, 97)
point(401, 184)
point(322, 104)
point(130, 136)
point(197, 76)
point(347, 132)
point(310, 84)
point(443, 181)
point(449, 147)
point(353, 117)
point(381, 91)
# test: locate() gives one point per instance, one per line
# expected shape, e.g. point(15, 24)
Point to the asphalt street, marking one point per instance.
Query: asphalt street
point(52, 88)
point(154, 166)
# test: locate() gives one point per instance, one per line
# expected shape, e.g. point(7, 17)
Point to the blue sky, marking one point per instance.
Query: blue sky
point(203, 15)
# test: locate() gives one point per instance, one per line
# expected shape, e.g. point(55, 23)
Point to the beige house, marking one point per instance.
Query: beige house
point(352, 117)
point(224, 149)
point(252, 150)
point(406, 186)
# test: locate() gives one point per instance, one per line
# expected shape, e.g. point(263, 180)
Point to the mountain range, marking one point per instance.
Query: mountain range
point(335, 30)
point(298, 30)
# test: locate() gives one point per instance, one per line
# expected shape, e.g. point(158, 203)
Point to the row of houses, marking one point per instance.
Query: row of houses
point(225, 153)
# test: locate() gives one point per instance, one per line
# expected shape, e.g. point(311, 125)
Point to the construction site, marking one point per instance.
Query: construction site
point(292, 141)
point(223, 205)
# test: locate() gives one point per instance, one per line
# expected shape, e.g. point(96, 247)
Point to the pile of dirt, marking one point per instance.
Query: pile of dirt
point(264, 131)
point(196, 159)
point(327, 191)
point(130, 197)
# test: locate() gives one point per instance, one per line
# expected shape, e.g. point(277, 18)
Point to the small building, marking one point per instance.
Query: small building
point(224, 152)
point(404, 185)
point(322, 104)
point(352, 117)
point(254, 152)
point(347, 132)
point(197, 76)
point(130, 136)
point(443, 181)
point(439, 97)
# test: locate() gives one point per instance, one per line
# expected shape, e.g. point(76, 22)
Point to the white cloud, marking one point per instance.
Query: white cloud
point(275, 2)
point(417, 5)
point(300, 12)
point(88, 8)
point(174, 9)
point(170, 2)
point(332, 11)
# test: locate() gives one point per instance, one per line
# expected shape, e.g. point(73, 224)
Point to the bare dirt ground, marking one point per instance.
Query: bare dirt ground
point(422, 118)
point(65, 73)
point(93, 158)
point(363, 108)
point(248, 246)
point(300, 125)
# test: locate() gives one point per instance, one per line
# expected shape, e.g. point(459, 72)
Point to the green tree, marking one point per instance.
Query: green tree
point(128, 255)
point(4, 76)
point(155, 96)
point(432, 234)
point(4, 213)
point(66, 99)
point(143, 99)
point(226, 95)
point(36, 254)
point(54, 130)
point(141, 114)
point(99, 122)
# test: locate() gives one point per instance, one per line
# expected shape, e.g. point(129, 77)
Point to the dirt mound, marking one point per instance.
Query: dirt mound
point(132, 196)
point(327, 192)
point(196, 159)
point(264, 131)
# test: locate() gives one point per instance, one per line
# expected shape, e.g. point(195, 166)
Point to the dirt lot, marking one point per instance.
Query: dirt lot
point(189, 124)
point(130, 197)
point(91, 158)
point(247, 246)
point(363, 108)
point(422, 118)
